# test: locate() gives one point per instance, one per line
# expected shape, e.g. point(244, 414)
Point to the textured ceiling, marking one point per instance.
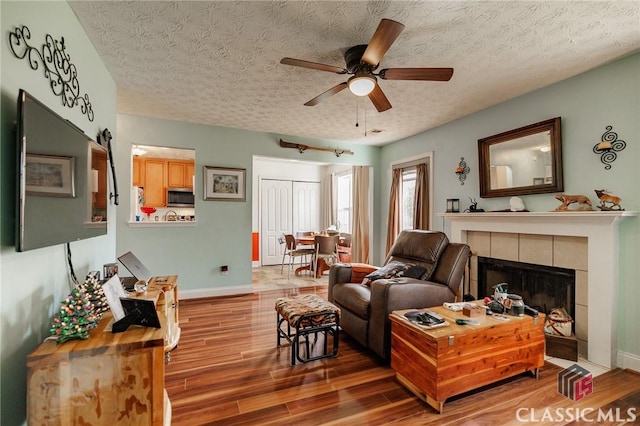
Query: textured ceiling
point(217, 62)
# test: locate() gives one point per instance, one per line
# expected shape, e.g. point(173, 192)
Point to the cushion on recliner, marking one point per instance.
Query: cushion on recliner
point(353, 297)
point(395, 269)
point(422, 248)
point(390, 270)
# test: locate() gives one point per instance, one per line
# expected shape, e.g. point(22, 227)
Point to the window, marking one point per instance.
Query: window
point(343, 201)
point(407, 196)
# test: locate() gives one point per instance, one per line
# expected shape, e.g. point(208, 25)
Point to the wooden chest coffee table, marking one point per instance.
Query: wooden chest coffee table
point(438, 363)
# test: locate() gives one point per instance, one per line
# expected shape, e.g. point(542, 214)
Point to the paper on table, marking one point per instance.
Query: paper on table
point(456, 307)
point(113, 291)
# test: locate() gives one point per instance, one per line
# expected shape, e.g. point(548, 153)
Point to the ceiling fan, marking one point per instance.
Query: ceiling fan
point(362, 60)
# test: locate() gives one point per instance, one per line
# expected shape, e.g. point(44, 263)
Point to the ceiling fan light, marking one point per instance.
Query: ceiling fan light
point(361, 85)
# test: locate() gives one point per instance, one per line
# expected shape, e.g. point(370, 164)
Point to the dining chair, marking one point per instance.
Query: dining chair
point(344, 248)
point(293, 251)
point(326, 247)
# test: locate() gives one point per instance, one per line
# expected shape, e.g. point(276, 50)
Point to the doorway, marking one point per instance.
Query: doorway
point(287, 206)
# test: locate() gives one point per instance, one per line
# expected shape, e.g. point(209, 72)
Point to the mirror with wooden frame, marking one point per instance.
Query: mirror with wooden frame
point(523, 161)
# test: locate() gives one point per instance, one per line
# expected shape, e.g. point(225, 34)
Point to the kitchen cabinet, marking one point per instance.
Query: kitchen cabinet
point(155, 187)
point(190, 173)
point(155, 175)
point(180, 174)
point(137, 176)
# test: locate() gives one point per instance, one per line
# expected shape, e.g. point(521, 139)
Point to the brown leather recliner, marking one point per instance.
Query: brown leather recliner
point(366, 308)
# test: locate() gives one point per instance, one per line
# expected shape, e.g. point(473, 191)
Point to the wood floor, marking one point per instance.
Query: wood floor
point(227, 370)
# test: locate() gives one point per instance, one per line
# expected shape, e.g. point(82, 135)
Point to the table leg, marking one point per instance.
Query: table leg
point(303, 268)
point(322, 266)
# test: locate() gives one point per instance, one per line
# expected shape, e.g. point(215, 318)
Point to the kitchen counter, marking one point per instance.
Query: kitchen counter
point(161, 223)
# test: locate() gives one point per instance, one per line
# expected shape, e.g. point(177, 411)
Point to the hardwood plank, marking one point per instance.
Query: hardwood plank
point(228, 370)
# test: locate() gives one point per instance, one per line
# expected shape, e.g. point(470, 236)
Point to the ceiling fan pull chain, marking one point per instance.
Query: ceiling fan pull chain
point(365, 122)
point(357, 112)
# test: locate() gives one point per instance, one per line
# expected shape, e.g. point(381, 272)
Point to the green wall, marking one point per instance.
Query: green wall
point(222, 235)
point(587, 103)
point(33, 283)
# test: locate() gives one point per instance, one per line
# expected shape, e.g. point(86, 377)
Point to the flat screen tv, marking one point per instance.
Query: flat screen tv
point(62, 179)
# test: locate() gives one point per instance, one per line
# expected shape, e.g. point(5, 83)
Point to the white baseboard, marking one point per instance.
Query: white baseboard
point(214, 292)
point(627, 360)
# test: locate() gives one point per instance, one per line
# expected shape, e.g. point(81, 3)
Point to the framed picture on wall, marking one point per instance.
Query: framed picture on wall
point(50, 175)
point(224, 183)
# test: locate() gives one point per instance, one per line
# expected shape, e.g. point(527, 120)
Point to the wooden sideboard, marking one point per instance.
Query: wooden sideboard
point(109, 378)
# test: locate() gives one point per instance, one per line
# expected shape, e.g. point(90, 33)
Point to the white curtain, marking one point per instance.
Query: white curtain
point(360, 229)
point(327, 212)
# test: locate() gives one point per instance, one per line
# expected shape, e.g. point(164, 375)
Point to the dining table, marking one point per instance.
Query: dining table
point(309, 240)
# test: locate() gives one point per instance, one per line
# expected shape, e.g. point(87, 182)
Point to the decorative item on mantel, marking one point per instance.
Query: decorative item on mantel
point(606, 197)
point(462, 170)
point(584, 203)
point(516, 204)
point(453, 205)
point(473, 207)
point(608, 146)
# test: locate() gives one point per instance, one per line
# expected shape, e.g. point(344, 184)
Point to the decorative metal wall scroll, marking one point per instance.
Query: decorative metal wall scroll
point(462, 170)
point(608, 146)
point(62, 74)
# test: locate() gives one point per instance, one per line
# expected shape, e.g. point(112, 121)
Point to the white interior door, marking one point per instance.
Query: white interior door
point(306, 206)
point(286, 207)
point(276, 218)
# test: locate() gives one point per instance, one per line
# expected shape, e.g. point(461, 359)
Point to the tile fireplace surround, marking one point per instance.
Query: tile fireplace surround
point(599, 229)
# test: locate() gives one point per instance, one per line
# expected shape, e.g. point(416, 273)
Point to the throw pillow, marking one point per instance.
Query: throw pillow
point(390, 270)
point(415, 271)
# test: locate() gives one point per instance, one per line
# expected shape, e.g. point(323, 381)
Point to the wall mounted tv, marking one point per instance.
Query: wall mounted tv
point(62, 179)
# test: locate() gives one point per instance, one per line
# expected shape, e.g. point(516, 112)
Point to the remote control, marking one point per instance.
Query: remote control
point(434, 315)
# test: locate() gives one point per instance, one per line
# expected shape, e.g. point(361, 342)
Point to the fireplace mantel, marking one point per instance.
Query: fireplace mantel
point(601, 230)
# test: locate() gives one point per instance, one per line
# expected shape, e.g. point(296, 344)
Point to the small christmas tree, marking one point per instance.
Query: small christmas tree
point(98, 300)
point(75, 317)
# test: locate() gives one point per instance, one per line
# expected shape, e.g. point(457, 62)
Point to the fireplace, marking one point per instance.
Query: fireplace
point(541, 287)
point(596, 236)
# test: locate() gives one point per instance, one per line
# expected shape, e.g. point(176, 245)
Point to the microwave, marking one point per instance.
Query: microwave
point(180, 197)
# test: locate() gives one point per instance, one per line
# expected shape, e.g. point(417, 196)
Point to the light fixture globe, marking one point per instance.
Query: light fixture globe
point(361, 84)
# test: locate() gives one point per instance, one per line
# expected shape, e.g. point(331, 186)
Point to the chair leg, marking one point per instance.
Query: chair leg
point(282, 264)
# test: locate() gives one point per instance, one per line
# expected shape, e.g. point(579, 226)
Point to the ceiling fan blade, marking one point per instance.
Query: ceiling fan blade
point(335, 89)
point(429, 74)
point(379, 99)
point(386, 33)
point(312, 65)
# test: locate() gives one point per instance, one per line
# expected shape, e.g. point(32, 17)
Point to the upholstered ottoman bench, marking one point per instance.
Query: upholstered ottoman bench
point(308, 315)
